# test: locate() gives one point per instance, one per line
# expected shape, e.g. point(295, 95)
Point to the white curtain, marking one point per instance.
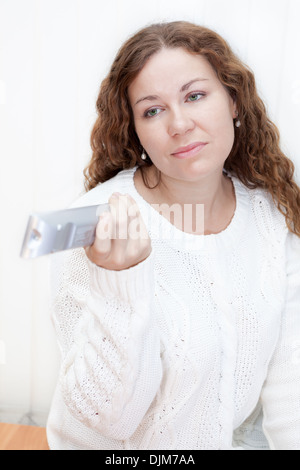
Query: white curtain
point(53, 56)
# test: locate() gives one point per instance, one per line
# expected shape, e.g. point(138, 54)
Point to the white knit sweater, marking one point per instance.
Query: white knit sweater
point(197, 347)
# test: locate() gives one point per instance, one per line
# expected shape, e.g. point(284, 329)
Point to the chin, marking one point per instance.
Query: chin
point(196, 170)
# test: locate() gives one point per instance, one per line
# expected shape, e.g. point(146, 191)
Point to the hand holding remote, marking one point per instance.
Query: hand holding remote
point(122, 240)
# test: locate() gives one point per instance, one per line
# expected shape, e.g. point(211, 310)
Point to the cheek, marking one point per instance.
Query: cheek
point(219, 114)
point(219, 124)
point(150, 135)
point(217, 111)
point(224, 140)
point(141, 130)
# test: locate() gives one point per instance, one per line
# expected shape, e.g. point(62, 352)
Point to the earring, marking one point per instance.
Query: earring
point(237, 122)
point(144, 156)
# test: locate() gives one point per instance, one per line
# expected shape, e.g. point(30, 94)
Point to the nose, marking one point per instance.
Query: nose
point(179, 123)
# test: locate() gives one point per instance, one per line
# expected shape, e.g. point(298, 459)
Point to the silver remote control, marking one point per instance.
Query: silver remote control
point(60, 230)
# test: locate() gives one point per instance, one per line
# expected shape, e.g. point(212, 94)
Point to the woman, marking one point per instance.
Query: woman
point(179, 328)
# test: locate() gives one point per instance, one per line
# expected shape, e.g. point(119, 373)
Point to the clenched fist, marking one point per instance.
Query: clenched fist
point(122, 240)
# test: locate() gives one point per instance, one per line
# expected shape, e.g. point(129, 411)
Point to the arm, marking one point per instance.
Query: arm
point(281, 392)
point(111, 367)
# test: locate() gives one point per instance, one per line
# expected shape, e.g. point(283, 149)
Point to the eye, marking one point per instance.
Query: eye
point(152, 112)
point(195, 96)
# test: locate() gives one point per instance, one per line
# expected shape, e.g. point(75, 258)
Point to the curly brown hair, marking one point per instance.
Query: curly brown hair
point(256, 158)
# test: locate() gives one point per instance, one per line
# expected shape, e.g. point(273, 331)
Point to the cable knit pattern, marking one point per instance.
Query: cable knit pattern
point(197, 347)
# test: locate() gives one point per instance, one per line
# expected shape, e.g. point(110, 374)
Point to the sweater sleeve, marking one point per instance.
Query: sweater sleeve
point(111, 367)
point(281, 391)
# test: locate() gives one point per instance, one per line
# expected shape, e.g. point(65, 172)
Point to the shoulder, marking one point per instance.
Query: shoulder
point(102, 192)
point(267, 218)
point(293, 254)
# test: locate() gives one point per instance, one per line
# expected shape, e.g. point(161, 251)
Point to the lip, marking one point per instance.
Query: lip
point(189, 150)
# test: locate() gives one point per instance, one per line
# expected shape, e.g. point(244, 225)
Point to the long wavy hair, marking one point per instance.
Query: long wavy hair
point(256, 158)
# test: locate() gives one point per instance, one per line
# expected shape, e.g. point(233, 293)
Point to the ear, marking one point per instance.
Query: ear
point(234, 108)
point(233, 103)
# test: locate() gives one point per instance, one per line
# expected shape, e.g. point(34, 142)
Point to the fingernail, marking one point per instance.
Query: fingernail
point(104, 215)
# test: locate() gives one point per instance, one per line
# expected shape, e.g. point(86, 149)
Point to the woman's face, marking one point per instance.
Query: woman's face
point(183, 115)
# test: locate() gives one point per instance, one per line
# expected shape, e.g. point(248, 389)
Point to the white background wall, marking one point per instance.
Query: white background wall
point(53, 56)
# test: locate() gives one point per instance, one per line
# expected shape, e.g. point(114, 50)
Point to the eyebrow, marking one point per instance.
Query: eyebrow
point(183, 88)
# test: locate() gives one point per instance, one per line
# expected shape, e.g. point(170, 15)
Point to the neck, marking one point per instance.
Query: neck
point(208, 191)
point(213, 192)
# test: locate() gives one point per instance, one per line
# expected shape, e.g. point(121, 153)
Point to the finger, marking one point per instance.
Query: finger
point(137, 228)
point(133, 209)
point(119, 204)
point(102, 243)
